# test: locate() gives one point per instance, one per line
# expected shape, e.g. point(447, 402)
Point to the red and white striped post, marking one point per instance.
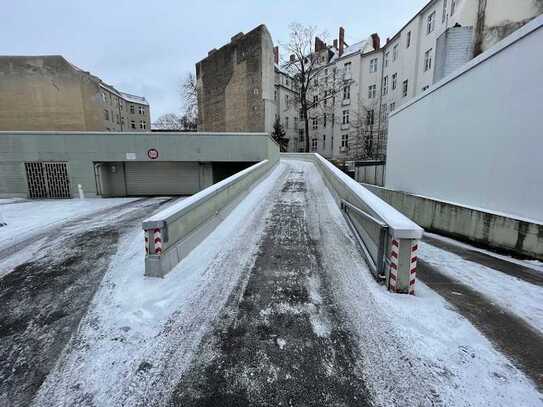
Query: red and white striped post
point(154, 245)
point(402, 270)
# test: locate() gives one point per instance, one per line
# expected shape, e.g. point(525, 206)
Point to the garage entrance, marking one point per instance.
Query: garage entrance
point(143, 178)
point(47, 180)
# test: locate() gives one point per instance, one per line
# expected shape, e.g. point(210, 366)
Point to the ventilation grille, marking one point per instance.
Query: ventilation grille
point(47, 180)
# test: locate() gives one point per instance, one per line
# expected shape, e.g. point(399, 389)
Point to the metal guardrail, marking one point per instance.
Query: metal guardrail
point(373, 249)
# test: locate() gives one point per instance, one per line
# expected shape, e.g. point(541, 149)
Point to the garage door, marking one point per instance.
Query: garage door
point(162, 178)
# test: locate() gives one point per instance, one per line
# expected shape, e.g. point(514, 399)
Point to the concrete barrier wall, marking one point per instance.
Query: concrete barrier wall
point(370, 172)
point(172, 233)
point(492, 230)
point(403, 233)
point(475, 138)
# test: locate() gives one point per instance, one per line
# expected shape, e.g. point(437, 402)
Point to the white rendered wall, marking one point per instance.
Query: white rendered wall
point(476, 138)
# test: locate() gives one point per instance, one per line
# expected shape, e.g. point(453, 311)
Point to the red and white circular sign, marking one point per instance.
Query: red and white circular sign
point(152, 153)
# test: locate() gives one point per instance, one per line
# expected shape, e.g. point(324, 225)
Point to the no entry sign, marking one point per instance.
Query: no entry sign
point(152, 153)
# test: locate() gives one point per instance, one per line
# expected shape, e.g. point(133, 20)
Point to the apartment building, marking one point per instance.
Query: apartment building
point(48, 93)
point(286, 108)
point(351, 119)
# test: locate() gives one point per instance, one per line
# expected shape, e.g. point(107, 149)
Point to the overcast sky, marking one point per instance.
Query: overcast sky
point(145, 47)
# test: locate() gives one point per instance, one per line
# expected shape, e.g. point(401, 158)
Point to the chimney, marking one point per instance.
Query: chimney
point(341, 40)
point(376, 41)
point(388, 40)
point(212, 51)
point(276, 55)
point(292, 58)
point(319, 44)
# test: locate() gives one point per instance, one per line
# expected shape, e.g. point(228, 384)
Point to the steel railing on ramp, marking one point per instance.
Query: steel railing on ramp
point(387, 238)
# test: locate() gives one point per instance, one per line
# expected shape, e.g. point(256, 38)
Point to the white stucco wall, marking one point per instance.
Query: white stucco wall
point(476, 138)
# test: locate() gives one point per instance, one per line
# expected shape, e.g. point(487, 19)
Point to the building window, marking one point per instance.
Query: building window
point(408, 40)
point(141, 110)
point(392, 106)
point(314, 144)
point(394, 81)
point(385, 85)
point(132, 124)
point(370, 117)
point(395, 52)
point(295, 122)
point(286, 122)
point(384, 111)
point(347, 68)
point(444, 15)
point(143, 124)
point(453, 6)
point(301, 135)
point(287, 82)
point(275, 94)
point(428, 60)
point(324, 141)
point(324, 120)
point(345, 117)
point(405, 87)
point(373, 65)
point(345, 141)
point(315, 123)
point(387, 55)
point(425, 88)
point(372, 91)
point(346, 92)
point(315, 100)
point(132, 109)
point(430, 23)
point(104, 97)
point(106, 114)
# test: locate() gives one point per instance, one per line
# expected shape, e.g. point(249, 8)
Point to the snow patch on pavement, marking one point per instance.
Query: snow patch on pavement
point(512, 294)
point(28, 217)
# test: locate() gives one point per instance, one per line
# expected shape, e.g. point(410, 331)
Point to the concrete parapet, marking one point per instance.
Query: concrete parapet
point(388, 238)
point(507, 234)
point(172, 233)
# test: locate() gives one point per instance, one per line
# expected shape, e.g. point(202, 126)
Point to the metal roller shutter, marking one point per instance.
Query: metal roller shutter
point(162, 178)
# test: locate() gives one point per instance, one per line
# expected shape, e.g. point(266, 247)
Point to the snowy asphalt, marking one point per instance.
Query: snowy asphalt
point(276, 307)
point(43, 300)
point(282, 342)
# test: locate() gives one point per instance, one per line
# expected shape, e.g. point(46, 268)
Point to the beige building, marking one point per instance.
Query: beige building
point(42, 93)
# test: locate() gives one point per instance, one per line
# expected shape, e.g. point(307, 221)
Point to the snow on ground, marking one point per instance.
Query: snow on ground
point(418, 350)
point(140, 333)
point(520, 297)
point(63, 218)
point(533, 264)
point(28, 217)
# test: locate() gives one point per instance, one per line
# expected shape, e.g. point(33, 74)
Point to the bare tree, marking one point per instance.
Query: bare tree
point(365, 128)
point(317, 83)
point(189, 96)
point(174, 122)
point(168, 121)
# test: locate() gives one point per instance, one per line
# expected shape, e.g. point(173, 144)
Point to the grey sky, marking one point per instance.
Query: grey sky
point(145, 47)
